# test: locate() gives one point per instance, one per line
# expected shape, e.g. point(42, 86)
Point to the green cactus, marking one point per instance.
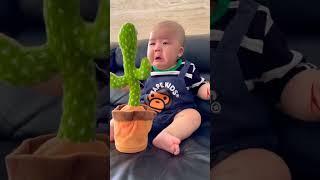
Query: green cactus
point(71, 46)
point(132, 75)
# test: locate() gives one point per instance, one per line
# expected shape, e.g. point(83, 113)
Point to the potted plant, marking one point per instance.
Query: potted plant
point(76, 152)
point(132, 121)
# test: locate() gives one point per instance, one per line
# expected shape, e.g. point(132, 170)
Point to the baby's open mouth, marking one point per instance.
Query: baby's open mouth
point(157, 58)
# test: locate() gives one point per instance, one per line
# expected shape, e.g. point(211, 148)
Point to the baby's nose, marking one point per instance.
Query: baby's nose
point(157, 48)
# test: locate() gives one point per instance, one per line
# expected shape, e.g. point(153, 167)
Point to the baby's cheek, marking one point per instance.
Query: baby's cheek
point(151, 62)
point(150, 58)
point(149, 53)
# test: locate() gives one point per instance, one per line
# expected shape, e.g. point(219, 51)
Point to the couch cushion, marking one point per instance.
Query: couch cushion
point(25, 113)
point(300, 148)
point(296, 16)
point(6, 147)
point(308, 45)
point(192, 163)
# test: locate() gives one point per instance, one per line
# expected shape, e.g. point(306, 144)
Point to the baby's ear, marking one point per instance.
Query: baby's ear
point(181, 51)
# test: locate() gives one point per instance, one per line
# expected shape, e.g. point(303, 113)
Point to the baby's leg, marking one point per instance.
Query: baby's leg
point(111, 130)
point(183, 125)
point(251, 164)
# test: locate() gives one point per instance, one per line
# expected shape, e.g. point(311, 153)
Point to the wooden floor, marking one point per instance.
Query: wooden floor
point(193, 15)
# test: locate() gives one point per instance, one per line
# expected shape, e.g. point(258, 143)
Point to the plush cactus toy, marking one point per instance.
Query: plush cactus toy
point(71, 46)
point(132, 75)
point(132, 122)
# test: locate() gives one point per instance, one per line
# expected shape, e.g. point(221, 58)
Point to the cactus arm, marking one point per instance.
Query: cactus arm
point(144, 71)
point(24, 66)
point(93, 37)
point(118, 81)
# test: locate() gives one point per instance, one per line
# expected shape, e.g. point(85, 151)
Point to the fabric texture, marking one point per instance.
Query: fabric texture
point(192, 78)
point(243, 120)
point(22, 163)
point(131, 128)
point(219, 9)
point(266, 61)
point(167, 95)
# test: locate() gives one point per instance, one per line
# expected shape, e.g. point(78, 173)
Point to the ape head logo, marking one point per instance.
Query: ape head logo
point(158, 100)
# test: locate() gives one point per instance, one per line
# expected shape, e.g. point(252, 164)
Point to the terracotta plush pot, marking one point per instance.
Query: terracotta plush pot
point(131, 127)
point(48, 158)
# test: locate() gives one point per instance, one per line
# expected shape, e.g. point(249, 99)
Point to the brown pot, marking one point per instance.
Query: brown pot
point(131, 127)
point(28, 164)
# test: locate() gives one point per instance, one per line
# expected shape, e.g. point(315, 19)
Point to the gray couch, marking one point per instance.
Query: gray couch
point(194, 160)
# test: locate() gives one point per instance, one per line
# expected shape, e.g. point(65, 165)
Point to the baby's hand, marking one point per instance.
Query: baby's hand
point(204, 91)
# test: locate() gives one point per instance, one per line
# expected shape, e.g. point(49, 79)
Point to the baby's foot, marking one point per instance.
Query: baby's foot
point(167, 142)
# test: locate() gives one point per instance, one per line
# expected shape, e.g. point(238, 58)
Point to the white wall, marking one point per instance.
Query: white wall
point(193, 15)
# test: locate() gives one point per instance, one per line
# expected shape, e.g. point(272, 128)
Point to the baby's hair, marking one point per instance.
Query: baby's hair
point(174, 26)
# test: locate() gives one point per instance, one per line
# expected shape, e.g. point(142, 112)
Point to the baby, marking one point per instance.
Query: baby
point(171, 88)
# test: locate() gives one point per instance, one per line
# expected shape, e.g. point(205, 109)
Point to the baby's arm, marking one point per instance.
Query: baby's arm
point(301, 96)
point(197, 84)
point(204, 91)
point(292, 84)
point(111, 130)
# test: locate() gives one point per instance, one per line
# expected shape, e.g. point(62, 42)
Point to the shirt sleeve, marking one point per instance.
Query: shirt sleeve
point(283, 63)
point(193, 79)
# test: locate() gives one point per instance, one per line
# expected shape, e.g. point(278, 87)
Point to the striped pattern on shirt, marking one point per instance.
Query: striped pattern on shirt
point(265, 59)
point(192, 78)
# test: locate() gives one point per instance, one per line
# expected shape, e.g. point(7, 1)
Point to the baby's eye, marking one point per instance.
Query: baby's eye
point(152, 43)
point(165, 43)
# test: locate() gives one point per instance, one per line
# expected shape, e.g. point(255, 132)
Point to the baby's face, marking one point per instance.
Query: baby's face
point(164, 48)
